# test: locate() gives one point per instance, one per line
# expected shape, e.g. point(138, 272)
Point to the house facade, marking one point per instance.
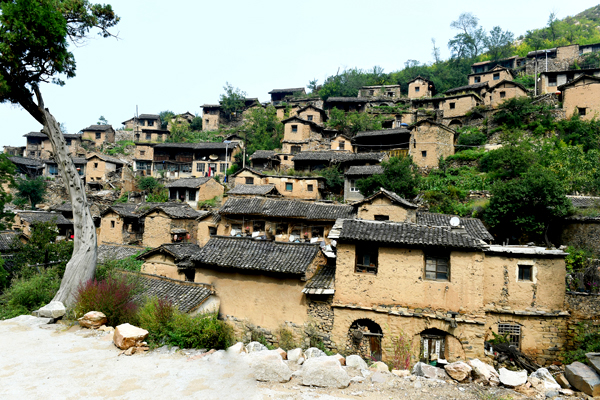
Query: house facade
point(98, 134)
point(581, 97)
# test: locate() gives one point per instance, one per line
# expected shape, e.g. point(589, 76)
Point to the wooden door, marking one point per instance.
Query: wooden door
point(375, 346)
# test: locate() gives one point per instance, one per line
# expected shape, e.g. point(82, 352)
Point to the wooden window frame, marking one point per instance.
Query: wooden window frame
point(360, 267)
point(514, 333)
point(249, 180)
point(438, 260)
point(291, 189)
point(310, 188)
point(522, 276)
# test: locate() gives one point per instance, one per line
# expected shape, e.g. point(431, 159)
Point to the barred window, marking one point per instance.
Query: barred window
point(513, 332)
point(200, 167)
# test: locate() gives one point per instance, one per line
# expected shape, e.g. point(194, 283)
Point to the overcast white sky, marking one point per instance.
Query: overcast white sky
point(177, 55)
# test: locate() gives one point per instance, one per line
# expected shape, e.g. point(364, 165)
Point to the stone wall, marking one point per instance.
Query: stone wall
point(578, 232)
point(585, 315)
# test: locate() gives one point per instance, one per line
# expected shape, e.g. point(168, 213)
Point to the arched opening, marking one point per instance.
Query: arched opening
point(455, 124)
point(365, 336)
point(433, 345)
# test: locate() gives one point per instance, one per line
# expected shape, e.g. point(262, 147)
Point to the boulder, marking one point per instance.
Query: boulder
point(300, 361)
point(458, 370)
point(54, 309)
point(339, 357)
point(237, 348)
point(313, 352)
point(127, 336)
point(356, 362)
point(562, 381)
point(484, 373)
point(379, 367)
point(402, 373)
point(380, 377)
point(513, 378)
point(324, 372)
point(255, 346)
point(268, 366)
point(583, 378)
point(594, 361)
point(281, 352)
point(295, 354)
point(429, 371)
point(543, 381)
point(93, 320)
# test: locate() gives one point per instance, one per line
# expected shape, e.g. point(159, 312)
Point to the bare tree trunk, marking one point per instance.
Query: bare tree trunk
point(82, 265)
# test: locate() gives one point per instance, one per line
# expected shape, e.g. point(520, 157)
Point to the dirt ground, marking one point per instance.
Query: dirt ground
point(39, 361)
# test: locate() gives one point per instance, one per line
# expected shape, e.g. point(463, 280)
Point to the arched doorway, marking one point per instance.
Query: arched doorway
point(366, 336)
point(433, 345)
point(455, 124)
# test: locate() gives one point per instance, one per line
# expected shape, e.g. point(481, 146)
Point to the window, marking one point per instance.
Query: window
point(112, 224)
point(317, 231)
point(68, 142)
point(95, 165)
point(514, 333)
point(53, 169)
point(477, 79)
point(342, 145)
point(371, 92)
point(150, 123)
point(249, 180)
point(206, 121)
point(424, 153)
point(192, 195)
point(289, 187)
point(148, 136)
point(417, 89)
point(285, 157)
point(310, 188)
point(187, 168)
point(296, 149)
point(353, 187)
point(452, 106)
point(525, 273)
point(382, 217)
point(142, 152)
point(294, 128)
point(581, 111)
point(258, 226)
point(223, 167)
point(551, 80)
point(390, 94)
point(173, 194)
point(281, 229)
point(502, 95)
point(309, 117)
point(496, 76)
point(437, 267)
point(98, 135)
point(212, 230)
point(159, 137)
point(366, 261)
point(190, 274)
point(200, 167)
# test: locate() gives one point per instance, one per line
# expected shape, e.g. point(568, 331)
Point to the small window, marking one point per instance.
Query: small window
point(249, 180)
point(525, 273)
point(258, 226)
point(582, 111)
point(200, 167)
point(142, 152)
point(342, 145)
point(502, 95)
point(366, 261)
point(212, 230)
point(112, 224)
point(437, 267)
point(424, 153)
point(285, 157)
point(551, 80)
point(294, 128)
point(289, 187)
point(95, 165)
point(281, 229)
point(452, 106)
point(417, 89)
point(192, 195)
point(187, 168)
point(353, 187)
point(513, 332)
point(296, 149)
point(190, 274)
point(317, 232)
point(496, 76)
point(150, 123)
point(371, 92)
point(206, 121)
point(68, 142)
point(148, 136)
point(98, 135)
point(309, 117)
point(310, 188)
point(382, 217)
point(477, 79)
point(223, 167)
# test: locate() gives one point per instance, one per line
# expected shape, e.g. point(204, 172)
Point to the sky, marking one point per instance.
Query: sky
point(178, 55)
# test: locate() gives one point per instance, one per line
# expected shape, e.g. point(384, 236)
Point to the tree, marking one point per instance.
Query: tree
point(33, 50)
point(262, 129)
point(232, 101)
point(334, 178)
point(7, 171)
point(399, 175)
point(499, 43)
point(102, 121)
point(30, 190)
point(468, 43)
point(165, 117)
point(196, 124)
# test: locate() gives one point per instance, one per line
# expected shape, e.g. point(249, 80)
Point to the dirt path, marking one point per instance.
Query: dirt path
point(40, 361)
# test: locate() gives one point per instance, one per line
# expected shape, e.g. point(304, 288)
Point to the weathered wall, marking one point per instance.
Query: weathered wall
point(210, 119)
point(495, 97)
point(300, 186)
point(418, 88)
point(158, 226)
point(108, 233)
point(163, 265)
point(585, 94)
point(384, 206)
point(489, 77)
point(209, 190)
point(97, 169)
point(303, 131)
point(461, 106)
point(299, 228)
point(316, 115)
point(336, 144)
point(428, 143)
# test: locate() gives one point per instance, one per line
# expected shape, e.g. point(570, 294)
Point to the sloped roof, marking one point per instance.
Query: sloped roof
point(421, 78)
point(579, 78)
point(262, 154)
point(179, 251)
point(101, 128)
point(348, 100)
point(291, 90)
point(192, 183)
point(7, 238)
point(36, 217)
point(506, 81)
point(30, 162)
point(256, 255)
point(473, 226)
point(261, 190)
point(116, 252)
point(401, 234)
point(584, 201)
point(106, 158)
point(337, 156)
point(390, 195)
point(322, 282)
point(286, 208)
point(496, 68)
point(173, 210)
point(476, 86)
point(364, 170)
point(383, 132)
point(149, 116)
point(43, 135)
point(197, 146)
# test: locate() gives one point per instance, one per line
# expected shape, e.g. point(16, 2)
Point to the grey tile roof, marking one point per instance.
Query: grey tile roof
point(390, 195)
point(192, 183)
point(149, 116)
point(108, 252)
point(197, 146)
point(383, 132)
point(291, 90)
point(7, 238)
point(173, 210)
point(210, 106)
point(322, 282)
point(43, 135)
point(337, 156)
point(241, 189)
point(347, 100)
point(187, 296)
point(473, 226)
point(286, 208)
point(101, 128)
point(30, 162)
point(476, 86)
point(262, 154)
point(399, 233)
point(34, 217)
point(364, 170)
point(584, 201)
point(106, 158)
point(124, 210)
point(256, 255)
point(181, 252)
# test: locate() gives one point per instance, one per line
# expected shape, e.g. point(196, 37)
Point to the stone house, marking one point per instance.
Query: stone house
point(341, 142)
point(429, 141)
point(51, 167)
point(299, 187)
point(450, 291)
point(317, 160)
point(347, 104)
point(387, 91)
point(351, 191)
point(312, 113)
point(194, 190)
point(457, 106)
point(25, 220)
point(169, 260)
point(550, 80)
point(98, 134)
point(264, 160)
point(211, 117)
point(555, 59)
point(121, 224)
point(496, 74)
point(279, 95)
point(285, 110)
point(14, 151)
point(300, 135)
point(420, 87)
point(169, 223)
point(510, 63)
point(39, 146)
point(151, 135)
point(581, 96)
point(477, 88)
point(143, 121)
point(502, 91)
point(100, 167)
point(28, 167)
point(143, 158)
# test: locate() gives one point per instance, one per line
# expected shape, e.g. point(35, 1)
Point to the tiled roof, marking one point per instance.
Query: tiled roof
point(246, 169)
point(584, 201)
point(108, 253)
point(473, 226)
point(241, 189)
point(76, 160)
point(390, 195)
point(261, 154)
point(337, 157)
point(34, 217)
point(43, 135)
point(149, 116)
point(7, 238)
point(210, 106)
point(291, 90)
point(181, 252)
point(30, 162)
point(106, 158)
point(286, 208)
point(187, 296)
point(124, 210)
point(192, 183)
point(322, 282)
point(197, 146)
point(257, 255)
point(173, 210)
point(364, 170)
point(400, 233)
point(98, 128)
point(347, 100)
point(383, 132)
point(475, 86)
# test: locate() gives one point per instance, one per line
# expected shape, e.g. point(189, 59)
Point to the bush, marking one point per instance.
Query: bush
point(113, 296)
point(471, 137)
point(587, 342)
point(131, 263)
point(26, 295)
point(286, 339)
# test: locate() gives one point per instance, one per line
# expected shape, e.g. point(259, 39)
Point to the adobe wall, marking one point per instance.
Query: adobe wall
point(210, 120)
point(384, 206)
point(144, 152)
point(210, 190)
point(494, 99)
point(108, 234)
point(163, 265)
point(489, 77)
point(462, 106)
point(423, 89)
point(336, 144)
point(303, 132)
point(316, 115)
point(91, 136)
point(158, 226)
point(587, 96)
point(300, 187)
point(99, 173)
point(435, 141)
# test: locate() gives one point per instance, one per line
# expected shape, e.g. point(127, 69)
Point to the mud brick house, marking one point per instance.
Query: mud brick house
point(147, 128)
point(471, 226)
point(581, 97)
point(394, 140)
point(420, 87)
point(194, 190)
point(502, 91)
point(550, 80)
point(28, 167)
point(211, 117)
point(387, 91)
point(25, 220)
point(347, 104)
point(450, 291)
point(51, 167)
point(456, 107)
point(579, 230)
point(121, 224)
point(351, 191)
point(341, 142)
point(386, 206)
point(241, 189)
point(264, 160)
point(496, 74)
point(100, 167)
point(477, 88)
point(143, 158)
point(300, 135)
point(279, 95)
point(318, 160)
point(98, 134)
point(14, 151)
point(39, 146)
point(279, 219)
point(298, 187)
point(429, 141)
point(510, 63)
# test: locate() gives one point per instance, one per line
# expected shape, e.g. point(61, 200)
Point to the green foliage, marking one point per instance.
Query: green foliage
point(464, 156)
point(102, 121)
point(209, 203)
point(157, 192)
point(7, 171)
point(286, 339)
point(334, 178)
point(347, 83)
point(499, 43)
point(232, 101)
point(4, 276)
point(400, 176)
point(30, 190)
point(124, 198)
point(521, 113)
point(578, 259)
point(509, 161)
point(196, 124)
point(159, 195)
point(498, 338)
point(587, 341)
point(121, 148)
point(401, 351)
point(353, 122)
point(576, 131)
point(184, 133)
point(463, 178)
point(470, 137)
point(262, 129)
point(108, 268)
point(165, 117)
point(526, 80)
point(447, 201)
point(147, 183)
point(27, 294)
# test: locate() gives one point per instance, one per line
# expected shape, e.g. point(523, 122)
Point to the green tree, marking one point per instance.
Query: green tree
point(507, 162)
point(353, 122)
point(262, 129)
point(399, 175)
point(334, 179)
point(232, 101)
point(7, 172)
point(469, 42)
point(165, 117)
point(499, 43)
point(196, 124)
point(102, 121)
point(30, 190)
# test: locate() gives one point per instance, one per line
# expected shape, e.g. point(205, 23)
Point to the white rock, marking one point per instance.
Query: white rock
point(237, 348)
point(339, 357)
point(357, 379)
point(484, 373)
point(513, 378)
point(402, 373)
point(255, 346)
point(429, 371)
point(458, 370)
point(356, 362)
point(295, 354)
point(54, 309)
point(300, 361)
point(313, 352)
point(324, 372)
point(281, 352)
point(543, 381)
point(92, 320)
point(127, 336)
point(379, 367)
point(268, 366)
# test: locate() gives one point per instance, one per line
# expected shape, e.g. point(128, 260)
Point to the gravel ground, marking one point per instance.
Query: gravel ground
point(39, 361)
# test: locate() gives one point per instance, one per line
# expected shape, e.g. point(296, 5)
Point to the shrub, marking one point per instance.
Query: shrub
point(401, 346)
point(286, 339)
point(586, 341)
point(131, 263)
point(113, 296)
point(155, 316)
point(28, 294)
point(470, 137)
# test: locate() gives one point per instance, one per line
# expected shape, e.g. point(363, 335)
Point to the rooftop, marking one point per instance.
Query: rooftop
point(286, 208)
point(262, 154)
point(337, 156)
point(291, 90)
point(181, 252)
point(104, 157)
point(348, 100)
point(585, 201)
point(383, 132)
point(473, 226)
point(322, 282)
point(475, 86)
point(192, 183)
point(7, 239)
point(36, 217)
point(30, 162)
point(260, 190)
point(109, 252)
point(98, 128)
point(364, 170)
point(390, 195)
